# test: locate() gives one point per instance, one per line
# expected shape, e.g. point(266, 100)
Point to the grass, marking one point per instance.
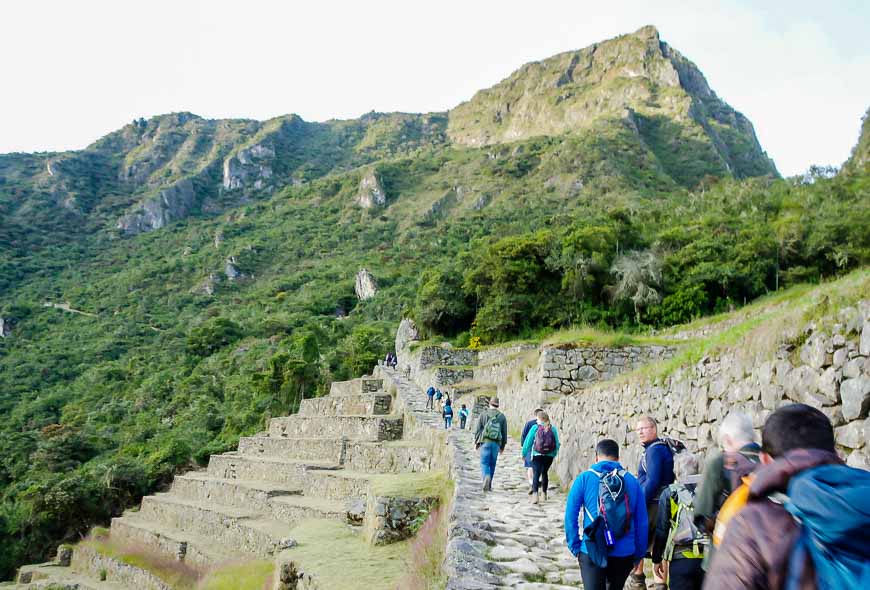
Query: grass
point(588, 336)
point(339, 558)
point(252, 575)
point(427, 554)
point(433, 484)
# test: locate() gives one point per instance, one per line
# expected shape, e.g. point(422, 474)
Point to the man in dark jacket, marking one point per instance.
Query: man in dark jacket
point(527, 460)
point(655, 473)
point(723, 471)
point(490, 438)
point(758, 542)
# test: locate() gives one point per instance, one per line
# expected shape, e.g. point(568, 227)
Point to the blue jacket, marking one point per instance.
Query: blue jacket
point(656, 470)
point(431, 391)
point(584, 496)
point(529, 442)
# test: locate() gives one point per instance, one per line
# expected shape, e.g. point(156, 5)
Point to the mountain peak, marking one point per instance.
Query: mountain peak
point(634, 73)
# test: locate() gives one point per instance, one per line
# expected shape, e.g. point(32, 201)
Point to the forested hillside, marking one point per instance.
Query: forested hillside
point(175, 284)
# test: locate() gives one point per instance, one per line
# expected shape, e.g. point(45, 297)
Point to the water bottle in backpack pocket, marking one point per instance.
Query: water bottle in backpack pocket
point(613, 504)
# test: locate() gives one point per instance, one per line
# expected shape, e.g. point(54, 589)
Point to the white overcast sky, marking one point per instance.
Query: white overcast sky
point(72, 71)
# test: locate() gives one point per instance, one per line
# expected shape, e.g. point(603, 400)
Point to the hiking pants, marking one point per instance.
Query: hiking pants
point(448, 420)
point(540, 471)
point(685, 574)
point(430, 402)
point(462, 422)
point(488, 458)
point(612, 577)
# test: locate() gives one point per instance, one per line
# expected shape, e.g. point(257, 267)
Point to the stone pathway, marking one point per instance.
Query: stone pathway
point(499, 539)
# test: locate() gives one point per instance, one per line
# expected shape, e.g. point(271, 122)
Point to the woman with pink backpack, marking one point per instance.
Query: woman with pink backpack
point(542, 442)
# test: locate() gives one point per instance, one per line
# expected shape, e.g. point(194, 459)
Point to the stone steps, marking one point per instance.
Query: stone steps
point(49, 576)
point(364, 428)
point(303, 449)
point(376, 404)
point(356, 386)
point(239, 528)
point(89, 562)
point(389, 457)
point(243, 493)
point(293, 509)
point(290, 472)
point(163, 540)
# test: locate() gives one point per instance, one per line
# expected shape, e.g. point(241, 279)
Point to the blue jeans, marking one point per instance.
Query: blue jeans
point(488, 458)
point(448, 420)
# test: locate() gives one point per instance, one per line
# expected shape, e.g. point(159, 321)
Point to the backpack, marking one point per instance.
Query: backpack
point(683, 532)
point(448, 411)
point(492, 429)
point(438, 394)
point(832, 505)
point(735, 502)
point(676, 446)
point(613, 503)
point(735, 466)
point(545, 441)
point(430, 392)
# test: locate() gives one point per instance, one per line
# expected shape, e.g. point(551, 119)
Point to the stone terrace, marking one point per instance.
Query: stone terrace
point(318, 464)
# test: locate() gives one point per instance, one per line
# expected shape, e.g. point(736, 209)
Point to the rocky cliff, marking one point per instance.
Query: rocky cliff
point(635, 77)
point(859, 161)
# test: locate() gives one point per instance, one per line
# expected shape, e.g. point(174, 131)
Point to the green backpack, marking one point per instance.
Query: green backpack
point(684, 535)
point(492, 429)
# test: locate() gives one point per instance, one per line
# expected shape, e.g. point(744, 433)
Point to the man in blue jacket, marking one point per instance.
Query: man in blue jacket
point(582, 507)
point(655, 473)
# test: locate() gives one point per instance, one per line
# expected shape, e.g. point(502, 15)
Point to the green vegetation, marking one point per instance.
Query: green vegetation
point(625, 222)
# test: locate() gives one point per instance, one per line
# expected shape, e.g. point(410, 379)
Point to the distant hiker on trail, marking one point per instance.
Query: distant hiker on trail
point(527, 458)
point(490, 438)
point(805, 523)
point(447, 414)
point(394, 361)
point(609, 503)
point(679, 545)
point(463, 416)
point(438, 396)
point(542, 444)
point(655, 473)
point(724, 471)
point(430, 398)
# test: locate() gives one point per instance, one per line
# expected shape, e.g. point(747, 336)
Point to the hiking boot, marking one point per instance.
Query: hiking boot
point(487, 483)
point(531, 490)
point(544, 496)
point(636, 582)
point(534, 499)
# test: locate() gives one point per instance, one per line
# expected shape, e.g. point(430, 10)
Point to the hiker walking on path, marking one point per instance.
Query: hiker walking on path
point(655, 473)
point(463, 416)
point(679, 546)
point(542, 444)
point(430, 398)
point(724, 471)
point(527, 458)
point(447, 414)
point(490, 439)
point(609, 503)
point(805, 524)
point(438, 396)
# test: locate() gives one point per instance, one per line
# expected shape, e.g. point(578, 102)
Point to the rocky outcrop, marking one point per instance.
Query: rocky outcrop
point(370, 193)
point(406, 333)
point(170, 204)
point(365, 285)
point(207, 286)
point(231, 270)
point(250, 167)
point(5, 327)
point(859, 160)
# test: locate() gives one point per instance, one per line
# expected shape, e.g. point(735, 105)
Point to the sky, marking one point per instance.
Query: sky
point(74, 71)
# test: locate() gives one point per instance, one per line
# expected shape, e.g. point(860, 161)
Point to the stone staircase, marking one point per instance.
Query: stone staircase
point(322, 463)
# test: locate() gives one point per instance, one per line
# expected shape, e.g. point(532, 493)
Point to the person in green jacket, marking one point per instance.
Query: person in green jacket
point(542, 442)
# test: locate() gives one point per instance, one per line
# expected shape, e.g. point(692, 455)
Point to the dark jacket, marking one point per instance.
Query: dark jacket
point(526, 428)
point(755, 551)
point(722, 475)
point(481, 422)
point(656, 470)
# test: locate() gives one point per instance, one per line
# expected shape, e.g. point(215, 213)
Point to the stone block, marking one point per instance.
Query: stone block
point(855, 394)
point(853, 435)
point(864, 343)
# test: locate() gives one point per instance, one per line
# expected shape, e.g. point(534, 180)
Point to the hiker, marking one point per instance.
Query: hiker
point(655, 473)
point(679, 546)
point(447, 414)
point(490, 438)
point(724, 471)
point(805, 521)
point(438, 396)
point(394, 361)
point(430, 398)
point(463, 416)
point(527, 458)
point(542, 445)
point(612, 542)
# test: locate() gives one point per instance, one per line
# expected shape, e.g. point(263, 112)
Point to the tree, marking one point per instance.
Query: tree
point(638, 275)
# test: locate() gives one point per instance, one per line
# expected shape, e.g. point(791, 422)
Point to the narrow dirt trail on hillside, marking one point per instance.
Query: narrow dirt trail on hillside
point(526, 541)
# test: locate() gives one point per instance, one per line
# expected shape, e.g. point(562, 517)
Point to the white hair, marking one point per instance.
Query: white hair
point(738, 426)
